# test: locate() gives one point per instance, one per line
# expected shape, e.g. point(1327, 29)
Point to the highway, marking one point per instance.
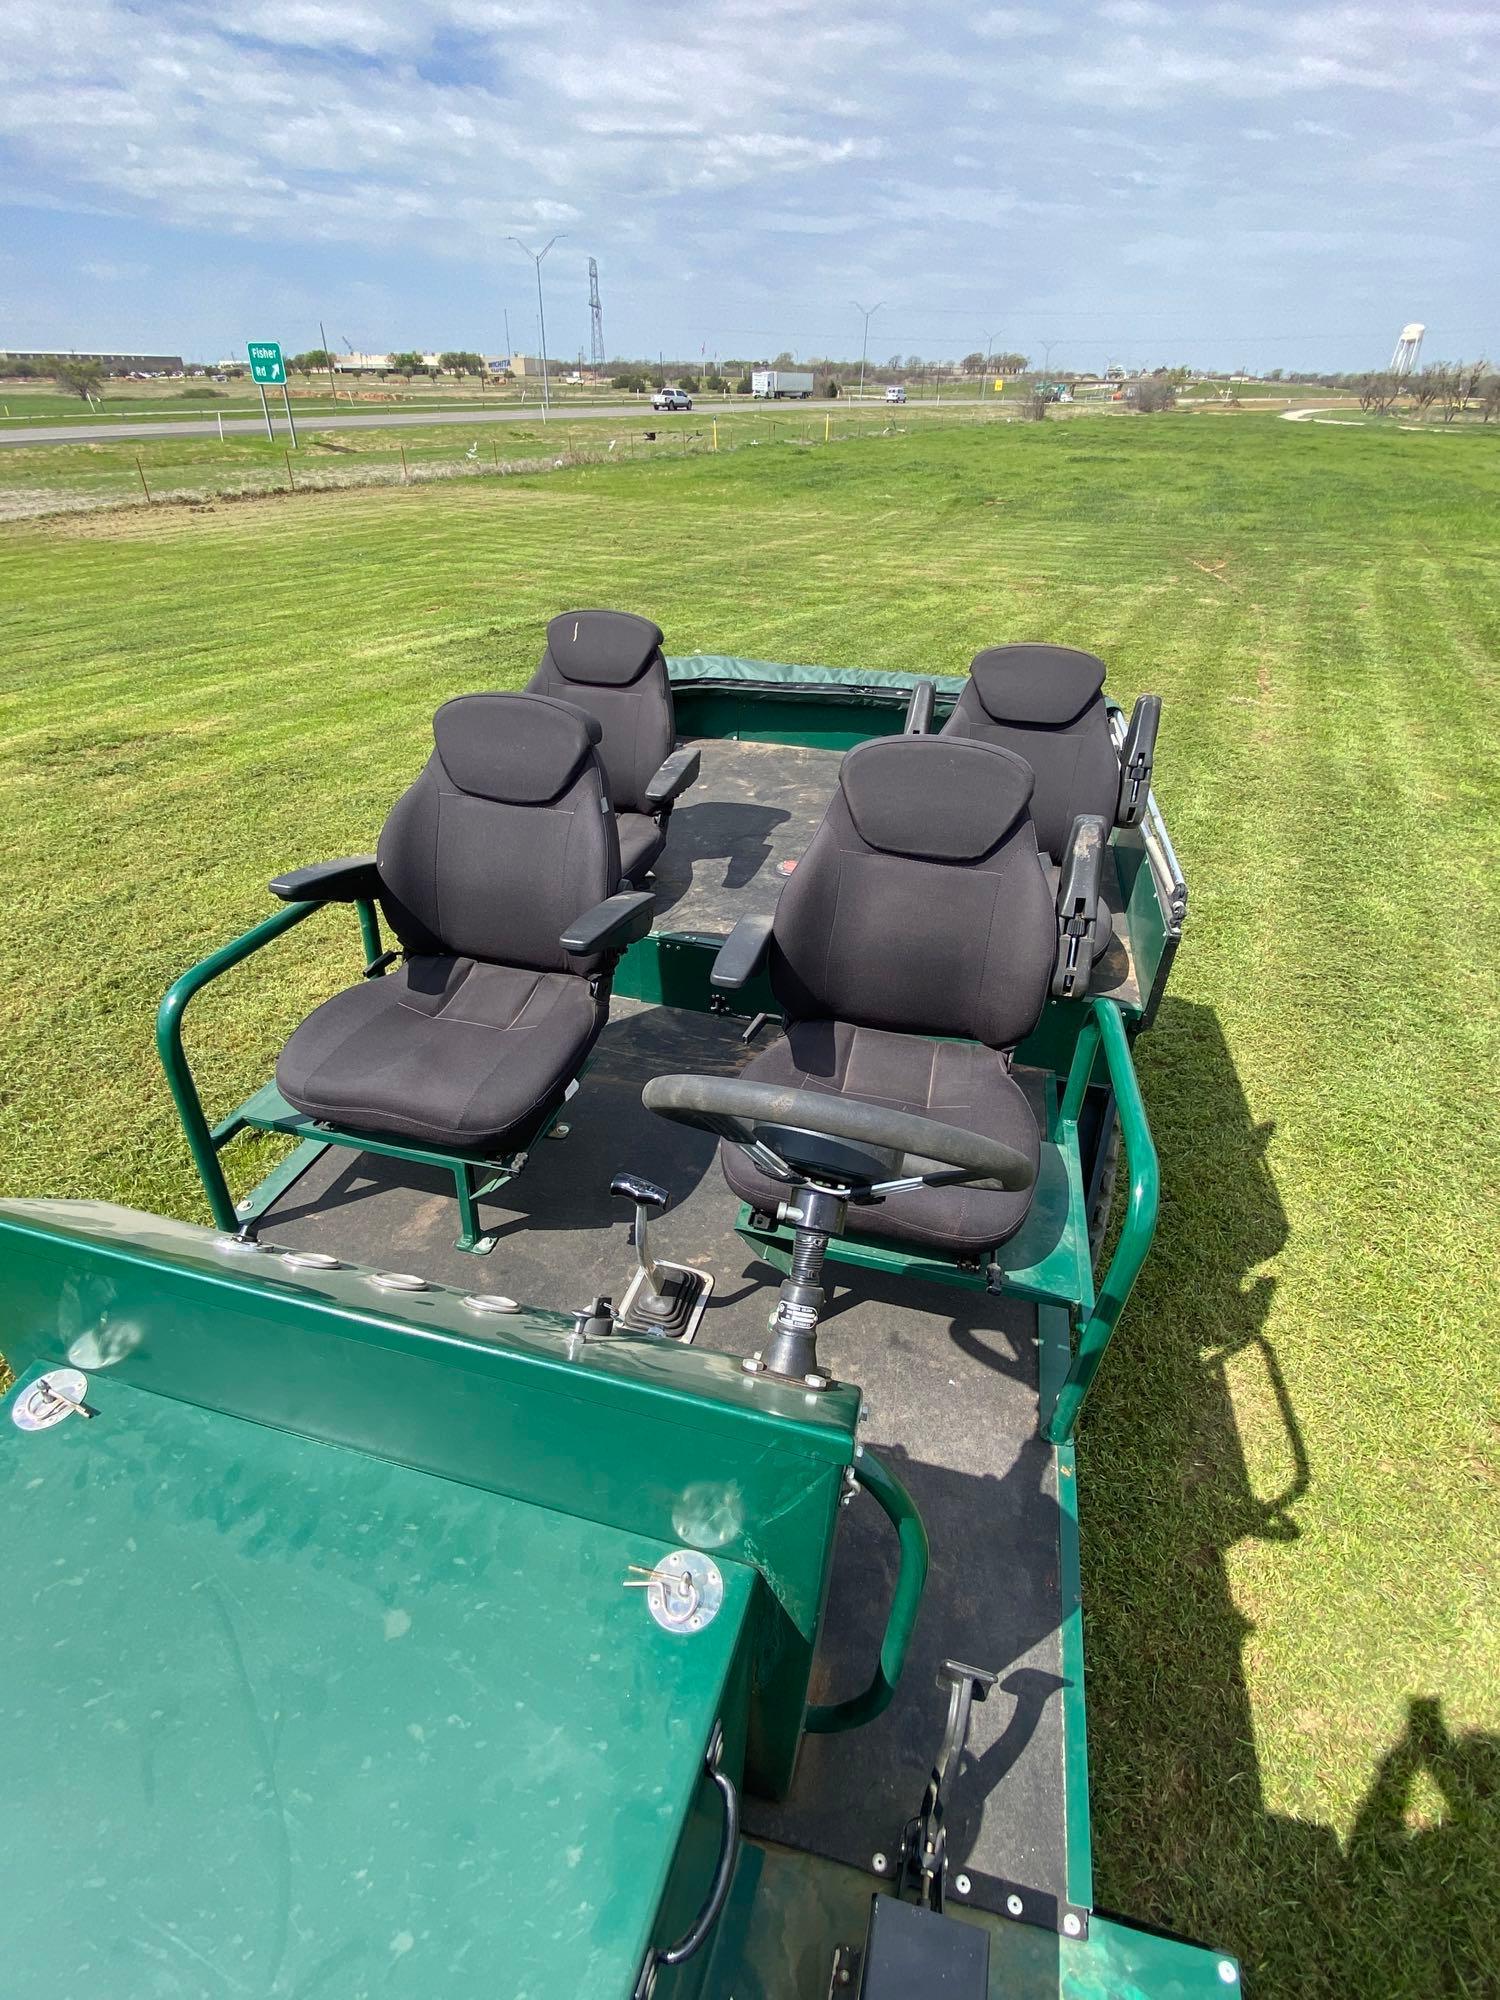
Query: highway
point(382, 420)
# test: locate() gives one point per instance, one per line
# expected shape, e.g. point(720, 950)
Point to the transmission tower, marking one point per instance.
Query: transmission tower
point(1408, 348)
point(596, 317)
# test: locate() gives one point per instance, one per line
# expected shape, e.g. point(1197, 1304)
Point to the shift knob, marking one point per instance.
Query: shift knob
point(644, 1193)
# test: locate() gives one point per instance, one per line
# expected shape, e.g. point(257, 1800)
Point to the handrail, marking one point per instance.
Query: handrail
point(906, 1600)
point(1105, 1029)
point(199, 1134)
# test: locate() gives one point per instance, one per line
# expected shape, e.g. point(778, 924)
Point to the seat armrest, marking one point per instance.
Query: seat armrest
point(919, 709)
point(1078, 906)
point(1136, 754)
point(352, 881)
point(611, 925)
point(678, 772)
point(742, 954)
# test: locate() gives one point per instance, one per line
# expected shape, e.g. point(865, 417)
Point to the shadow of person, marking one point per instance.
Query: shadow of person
point(713, 830)
point(1427, 1874)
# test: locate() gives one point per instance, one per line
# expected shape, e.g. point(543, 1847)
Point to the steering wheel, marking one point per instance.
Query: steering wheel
point(801, 1135)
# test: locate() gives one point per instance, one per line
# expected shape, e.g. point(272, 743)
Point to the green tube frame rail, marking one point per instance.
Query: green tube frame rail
point(1104, 1031)
point(906, 1601)
point(204, 1140)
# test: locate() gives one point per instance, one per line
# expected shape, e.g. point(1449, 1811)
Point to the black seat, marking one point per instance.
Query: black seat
point(1046, 703)
point(504, 846)
point(910, 952)
point(611, 664)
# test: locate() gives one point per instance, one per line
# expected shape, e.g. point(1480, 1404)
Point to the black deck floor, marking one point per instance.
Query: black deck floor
point(950, 1382)
point(739, 832)
point(742, 828)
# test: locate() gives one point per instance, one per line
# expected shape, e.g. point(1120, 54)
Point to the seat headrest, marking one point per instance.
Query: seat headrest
point(602, 648)
point(522, 749)
point(934, 798)
point(1042, 684)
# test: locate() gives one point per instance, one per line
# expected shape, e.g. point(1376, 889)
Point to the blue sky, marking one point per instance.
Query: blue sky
point(1218, 184)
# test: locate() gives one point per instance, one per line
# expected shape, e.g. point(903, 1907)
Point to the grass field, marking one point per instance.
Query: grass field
point(51, 478)
point(1289, 1465)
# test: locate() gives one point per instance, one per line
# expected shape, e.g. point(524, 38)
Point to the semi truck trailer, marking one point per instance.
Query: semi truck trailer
point(779, 383)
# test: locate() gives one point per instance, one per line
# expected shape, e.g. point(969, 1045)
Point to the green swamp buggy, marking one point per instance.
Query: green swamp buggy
point(460, 1572)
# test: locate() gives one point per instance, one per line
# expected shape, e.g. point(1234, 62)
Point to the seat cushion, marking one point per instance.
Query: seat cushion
point(641, 841)
point(958, 1083)
point(451, 1052)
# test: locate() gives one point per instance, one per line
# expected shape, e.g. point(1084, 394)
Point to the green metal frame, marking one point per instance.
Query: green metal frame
point(474, 1175)
point(1048, 1260)
point(906, 1600)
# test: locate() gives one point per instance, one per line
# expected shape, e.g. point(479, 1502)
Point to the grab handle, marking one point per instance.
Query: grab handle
point(694, 1937)
point(906, 1600)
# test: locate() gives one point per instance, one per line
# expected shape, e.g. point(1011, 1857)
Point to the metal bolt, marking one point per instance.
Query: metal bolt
point(753, 1365)
point(962, 1884)
point(816, 1381)
point(1014, 1905)
point(877, 1862)
point(1071, 1924)
point(1227, 1972)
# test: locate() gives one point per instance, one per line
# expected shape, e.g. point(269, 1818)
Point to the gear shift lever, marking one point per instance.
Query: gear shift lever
point(647, 1196)
point(662, 1298)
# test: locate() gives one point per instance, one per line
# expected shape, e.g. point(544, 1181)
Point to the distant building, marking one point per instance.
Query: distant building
point(112, 364)
point(523, 365)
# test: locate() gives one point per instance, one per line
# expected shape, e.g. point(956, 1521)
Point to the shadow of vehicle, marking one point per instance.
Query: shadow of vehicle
point(1184, 1835)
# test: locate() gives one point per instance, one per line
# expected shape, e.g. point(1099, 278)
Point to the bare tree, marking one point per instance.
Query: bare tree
point(1034, 404)
point(1377, 393)
point(1470, 374)
point(1489, 397)
point(1155, 392)
point(1424, 388)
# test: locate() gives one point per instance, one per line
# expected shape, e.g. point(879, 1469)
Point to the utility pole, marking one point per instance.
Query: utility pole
point(989, 363)
point(328, 358)
point(536, 257)
point(506, 316)
point(864, 345)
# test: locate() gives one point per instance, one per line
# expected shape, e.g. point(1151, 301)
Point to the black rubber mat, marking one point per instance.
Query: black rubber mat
point(949, 1378)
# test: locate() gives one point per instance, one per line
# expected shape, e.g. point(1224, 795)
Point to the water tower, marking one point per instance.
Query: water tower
point(1408, 347)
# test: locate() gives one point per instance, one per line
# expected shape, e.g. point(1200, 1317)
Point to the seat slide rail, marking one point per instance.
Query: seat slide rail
point(1103, 1034)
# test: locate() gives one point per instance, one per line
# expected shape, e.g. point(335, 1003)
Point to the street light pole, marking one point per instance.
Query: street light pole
point(536, 257)
point(864, 345)
point(989, 363)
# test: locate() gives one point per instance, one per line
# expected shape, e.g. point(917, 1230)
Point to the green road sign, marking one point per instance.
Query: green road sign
point(266, 364)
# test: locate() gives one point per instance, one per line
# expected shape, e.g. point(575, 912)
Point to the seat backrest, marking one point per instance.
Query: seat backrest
point(506, 836)
point(611, 664)
point(1046, 703)
point(920, 904)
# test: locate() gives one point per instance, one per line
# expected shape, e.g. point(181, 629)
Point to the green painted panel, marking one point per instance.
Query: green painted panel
point(789, 1911)
point(282, 1719)
point(671, 968)
point(673, 1442)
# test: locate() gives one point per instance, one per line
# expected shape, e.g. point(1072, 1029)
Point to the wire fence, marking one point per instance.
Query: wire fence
point(80, 479)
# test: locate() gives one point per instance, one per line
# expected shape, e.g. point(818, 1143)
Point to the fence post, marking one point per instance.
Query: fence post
point(405, 475)
point(716, 433)
point(141, 469)
point(291, 477)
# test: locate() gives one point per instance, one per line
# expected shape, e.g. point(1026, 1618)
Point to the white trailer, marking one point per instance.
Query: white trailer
point(778, 383)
